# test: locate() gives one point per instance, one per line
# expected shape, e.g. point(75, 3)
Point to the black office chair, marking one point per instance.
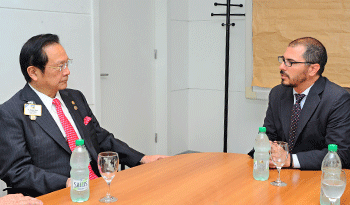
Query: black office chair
point(122, 167)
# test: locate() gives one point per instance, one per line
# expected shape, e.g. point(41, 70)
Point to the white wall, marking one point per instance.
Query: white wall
point(72, 21)
point(196, 59)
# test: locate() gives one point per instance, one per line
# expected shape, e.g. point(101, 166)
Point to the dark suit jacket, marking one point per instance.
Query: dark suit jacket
point(34, 154)
point(324, 119)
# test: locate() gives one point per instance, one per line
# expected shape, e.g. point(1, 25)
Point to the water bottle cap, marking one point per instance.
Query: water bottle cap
point(262, 129)
point(332, 147)
point(79, 142)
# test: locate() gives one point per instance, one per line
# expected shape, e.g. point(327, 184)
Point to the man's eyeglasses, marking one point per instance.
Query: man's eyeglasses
point(289, 63)
point(63, 66)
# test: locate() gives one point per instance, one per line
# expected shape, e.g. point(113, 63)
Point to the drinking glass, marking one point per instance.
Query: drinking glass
point(333, 184)
point(108, 163)
point(279, 154)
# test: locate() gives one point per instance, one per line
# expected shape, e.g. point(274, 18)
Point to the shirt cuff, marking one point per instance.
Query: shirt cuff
point(296, 163)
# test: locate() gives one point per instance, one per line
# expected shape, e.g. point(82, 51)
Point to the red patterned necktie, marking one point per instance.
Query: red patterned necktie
point(294, 121)
point(71, 134)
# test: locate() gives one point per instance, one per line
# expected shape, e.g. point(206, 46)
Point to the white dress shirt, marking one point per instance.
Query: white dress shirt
point(306, 92)
point(52, 109)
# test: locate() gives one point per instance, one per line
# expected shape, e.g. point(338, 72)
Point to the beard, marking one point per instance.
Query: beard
point(300, 78)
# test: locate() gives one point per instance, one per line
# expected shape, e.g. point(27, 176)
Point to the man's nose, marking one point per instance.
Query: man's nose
point(282, 66)
point(66, 71)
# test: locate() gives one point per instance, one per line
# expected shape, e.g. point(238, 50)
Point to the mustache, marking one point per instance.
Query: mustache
point(284, 73)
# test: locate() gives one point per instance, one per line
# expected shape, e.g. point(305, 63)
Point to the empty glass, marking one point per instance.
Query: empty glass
point(108, 163)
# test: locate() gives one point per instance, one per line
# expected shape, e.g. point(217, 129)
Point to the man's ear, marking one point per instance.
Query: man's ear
point(314, 68)
point(32, 72)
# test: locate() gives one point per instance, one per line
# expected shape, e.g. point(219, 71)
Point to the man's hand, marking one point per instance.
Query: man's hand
point(151, 158)
point(68, 182)
point(14, 199)
point(286, 164)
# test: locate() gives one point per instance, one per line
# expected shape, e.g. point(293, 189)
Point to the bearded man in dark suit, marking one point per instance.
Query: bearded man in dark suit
point(325, 108)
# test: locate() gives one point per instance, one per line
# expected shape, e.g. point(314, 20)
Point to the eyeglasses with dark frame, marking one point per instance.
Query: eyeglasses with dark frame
point(288, 63)
point(63, 66)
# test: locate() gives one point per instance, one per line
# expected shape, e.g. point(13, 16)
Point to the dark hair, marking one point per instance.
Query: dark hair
point(315, 51)
point(33, 54)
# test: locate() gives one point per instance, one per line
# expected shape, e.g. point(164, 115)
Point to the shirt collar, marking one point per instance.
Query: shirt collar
point(306, 92)
point(46, 99)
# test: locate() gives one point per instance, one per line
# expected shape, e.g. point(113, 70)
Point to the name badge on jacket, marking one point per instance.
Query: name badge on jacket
point(32, 110)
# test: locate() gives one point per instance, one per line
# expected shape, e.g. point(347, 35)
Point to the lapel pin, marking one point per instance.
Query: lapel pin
point(75, 107)
point(73, 103)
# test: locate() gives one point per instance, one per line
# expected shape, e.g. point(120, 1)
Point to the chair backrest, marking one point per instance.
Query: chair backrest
point(2, 186)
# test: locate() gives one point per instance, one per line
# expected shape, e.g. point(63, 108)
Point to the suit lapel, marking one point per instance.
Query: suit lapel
point(79, 122)
point(287, 101)
point(310, 105)
point(45, 121)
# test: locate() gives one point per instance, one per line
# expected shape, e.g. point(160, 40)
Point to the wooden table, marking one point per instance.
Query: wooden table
point(203, 178)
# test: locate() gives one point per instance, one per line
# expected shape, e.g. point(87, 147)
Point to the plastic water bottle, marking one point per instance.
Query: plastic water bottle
point(79, 162)
point(330, 163)
point(261, 155)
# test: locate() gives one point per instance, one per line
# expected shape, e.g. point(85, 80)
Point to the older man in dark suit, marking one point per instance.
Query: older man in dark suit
point(35, 153)
point(324, 108)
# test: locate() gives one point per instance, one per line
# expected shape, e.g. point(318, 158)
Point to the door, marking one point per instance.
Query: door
point(127, 57)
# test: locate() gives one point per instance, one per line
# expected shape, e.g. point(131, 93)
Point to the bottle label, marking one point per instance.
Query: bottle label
point(261, 163)
point(80, 185)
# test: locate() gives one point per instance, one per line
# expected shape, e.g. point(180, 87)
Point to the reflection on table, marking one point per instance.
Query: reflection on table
point(203, 178)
